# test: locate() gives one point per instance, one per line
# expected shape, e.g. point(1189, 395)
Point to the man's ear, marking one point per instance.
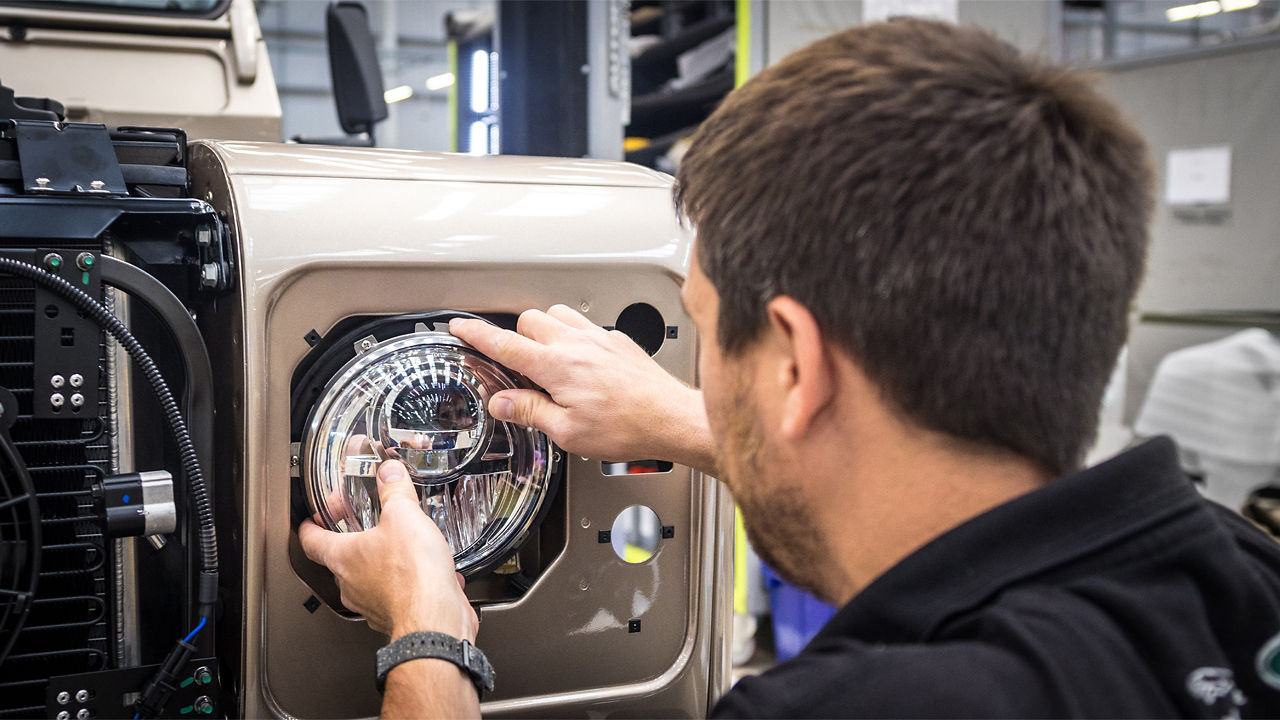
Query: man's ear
point(806, 376)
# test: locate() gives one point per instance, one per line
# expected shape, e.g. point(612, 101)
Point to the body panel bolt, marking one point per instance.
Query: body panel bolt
point(209, 275)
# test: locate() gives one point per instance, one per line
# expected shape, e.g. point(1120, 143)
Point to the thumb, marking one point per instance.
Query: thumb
point(528, 407)
point(315, 540)
point(394, 484)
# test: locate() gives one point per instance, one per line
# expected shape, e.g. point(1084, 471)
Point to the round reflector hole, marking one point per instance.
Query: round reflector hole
point(643, 323)
point(635, 534)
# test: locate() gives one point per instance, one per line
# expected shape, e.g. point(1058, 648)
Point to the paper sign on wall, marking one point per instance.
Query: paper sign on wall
point(1198, 176)
point(877, 10)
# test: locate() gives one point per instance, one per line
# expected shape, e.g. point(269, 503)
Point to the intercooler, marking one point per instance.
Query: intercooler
point(89, 610)
point(67, 629)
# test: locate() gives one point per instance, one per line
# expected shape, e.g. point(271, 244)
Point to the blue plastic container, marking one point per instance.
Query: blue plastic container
point(797, 615)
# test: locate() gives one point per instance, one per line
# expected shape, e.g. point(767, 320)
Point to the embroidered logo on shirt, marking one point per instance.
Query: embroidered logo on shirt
point(1268, 662)
point(1213, 685)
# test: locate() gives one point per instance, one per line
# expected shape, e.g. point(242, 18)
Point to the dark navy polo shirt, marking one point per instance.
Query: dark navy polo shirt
point(1114, 592)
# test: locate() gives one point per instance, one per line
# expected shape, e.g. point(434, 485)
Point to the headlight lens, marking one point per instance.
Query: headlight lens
point(421, 399)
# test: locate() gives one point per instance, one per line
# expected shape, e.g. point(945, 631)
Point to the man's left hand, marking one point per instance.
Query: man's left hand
point(400, 574)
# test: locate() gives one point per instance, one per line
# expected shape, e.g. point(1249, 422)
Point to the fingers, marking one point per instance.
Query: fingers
point(357, 445)
point(514, 350)
point(315, 540)
point(462, 582)
point(530, 408)
point(394, 484)
point(539, 326)
point(571, 317)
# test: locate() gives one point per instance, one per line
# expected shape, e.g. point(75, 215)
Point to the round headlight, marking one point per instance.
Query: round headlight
point(421, 399)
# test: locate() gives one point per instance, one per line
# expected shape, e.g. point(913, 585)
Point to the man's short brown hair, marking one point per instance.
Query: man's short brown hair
point(970, 225)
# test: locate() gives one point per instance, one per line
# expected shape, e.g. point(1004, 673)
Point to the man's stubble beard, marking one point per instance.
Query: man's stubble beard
point(778, 523)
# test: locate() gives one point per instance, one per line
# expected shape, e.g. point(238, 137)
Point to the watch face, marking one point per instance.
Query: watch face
point(422, 399)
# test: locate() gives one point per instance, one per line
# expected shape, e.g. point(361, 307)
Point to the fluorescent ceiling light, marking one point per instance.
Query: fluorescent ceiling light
point(478, 136)
point(1195, 10)
point(444, 80)
point(398, 93)
point(479, 81)
point(1233, 5)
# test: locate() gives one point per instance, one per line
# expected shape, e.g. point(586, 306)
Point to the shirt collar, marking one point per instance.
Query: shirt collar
point(1046, 528)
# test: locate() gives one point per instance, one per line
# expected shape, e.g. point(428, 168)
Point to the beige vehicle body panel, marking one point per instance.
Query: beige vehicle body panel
point(322, 234)
point(207, 76)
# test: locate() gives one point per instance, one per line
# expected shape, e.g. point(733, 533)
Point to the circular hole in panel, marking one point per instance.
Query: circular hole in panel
point(51, 311)
point(635, 534)
point(643, 323)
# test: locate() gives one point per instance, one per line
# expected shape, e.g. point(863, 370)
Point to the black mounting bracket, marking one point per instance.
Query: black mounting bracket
point(67, 158)
point(111, 693)
point(65, 362)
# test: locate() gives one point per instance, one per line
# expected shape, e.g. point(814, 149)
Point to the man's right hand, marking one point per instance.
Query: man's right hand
point(605, 397)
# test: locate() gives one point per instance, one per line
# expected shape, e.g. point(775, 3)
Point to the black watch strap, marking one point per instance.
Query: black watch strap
point(438, 646)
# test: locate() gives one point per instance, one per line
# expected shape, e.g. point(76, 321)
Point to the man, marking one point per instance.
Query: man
point(916, 252)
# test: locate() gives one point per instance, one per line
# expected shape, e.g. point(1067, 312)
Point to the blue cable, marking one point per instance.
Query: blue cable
point(199, 627)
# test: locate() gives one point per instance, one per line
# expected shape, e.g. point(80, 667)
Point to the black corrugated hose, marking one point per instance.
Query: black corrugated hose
point(190, 463)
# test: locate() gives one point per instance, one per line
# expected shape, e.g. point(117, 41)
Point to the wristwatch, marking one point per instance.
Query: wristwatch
point(439, 646)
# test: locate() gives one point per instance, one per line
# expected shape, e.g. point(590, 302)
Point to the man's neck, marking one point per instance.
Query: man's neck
point(900, 487)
